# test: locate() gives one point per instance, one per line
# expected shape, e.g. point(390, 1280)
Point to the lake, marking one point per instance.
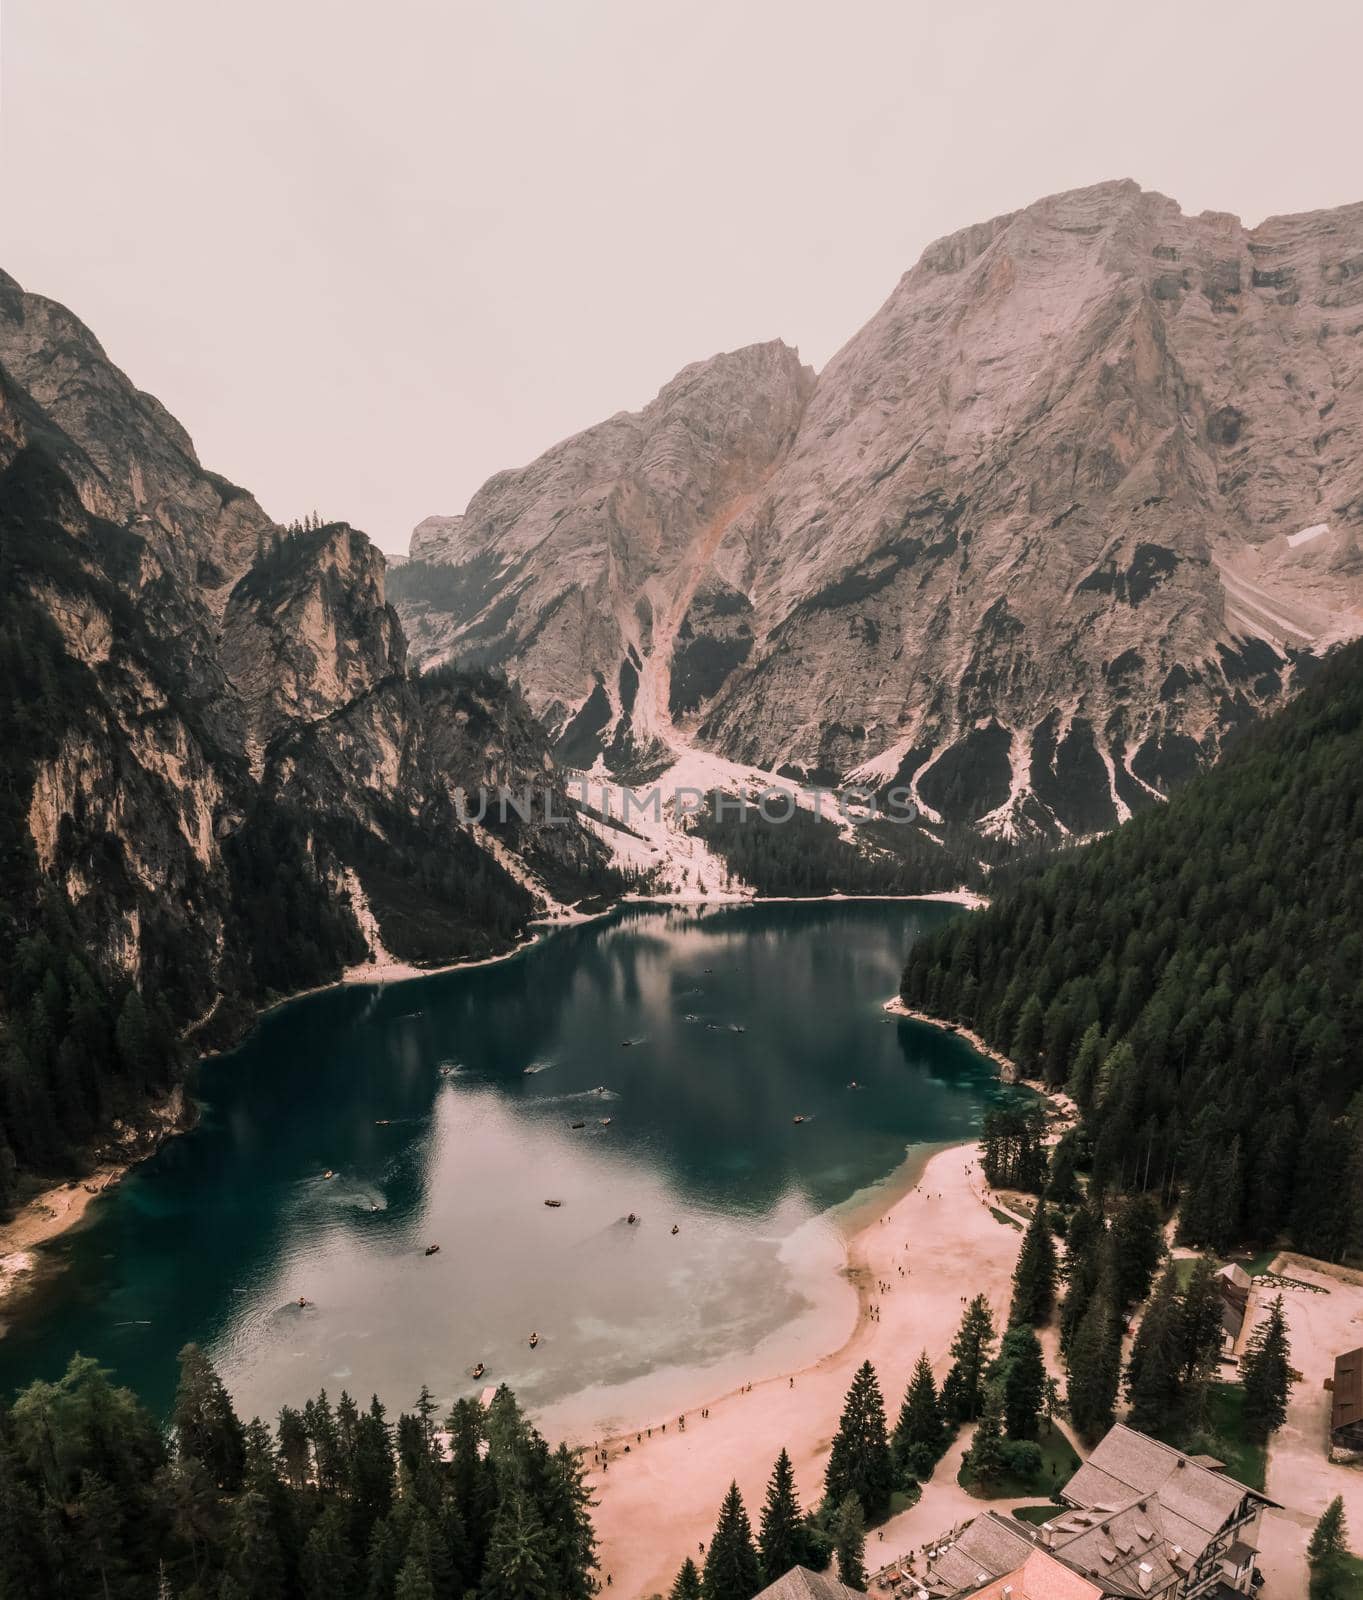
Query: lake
point(652, 1063)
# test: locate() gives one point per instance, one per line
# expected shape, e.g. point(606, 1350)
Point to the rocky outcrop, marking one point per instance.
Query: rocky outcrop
point(307, 629)
point(1082, 499)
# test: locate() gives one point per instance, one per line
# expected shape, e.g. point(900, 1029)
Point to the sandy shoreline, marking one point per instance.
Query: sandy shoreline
point(43, 1218)
point(935, 1243)
point(944, 1234)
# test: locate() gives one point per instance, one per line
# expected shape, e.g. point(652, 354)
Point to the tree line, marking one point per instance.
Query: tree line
point(806, 855)
point(1191, 980)
point(332, 1503)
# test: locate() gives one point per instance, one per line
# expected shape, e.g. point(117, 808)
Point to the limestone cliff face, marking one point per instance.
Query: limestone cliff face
point(1081, 499)
point(307, 629)
point(222, 751)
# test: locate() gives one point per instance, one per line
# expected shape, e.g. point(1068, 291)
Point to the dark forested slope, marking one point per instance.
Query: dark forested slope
point(1196, 981)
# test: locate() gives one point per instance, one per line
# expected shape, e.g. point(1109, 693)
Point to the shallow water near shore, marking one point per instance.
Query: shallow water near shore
point(653, 1064)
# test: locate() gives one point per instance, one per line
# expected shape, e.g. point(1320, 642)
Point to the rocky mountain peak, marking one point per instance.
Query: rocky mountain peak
point(581, 567)
point(1080, 500)
point(129, 459)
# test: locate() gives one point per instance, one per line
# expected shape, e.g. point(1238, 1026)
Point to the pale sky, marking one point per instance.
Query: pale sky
point(370, 254)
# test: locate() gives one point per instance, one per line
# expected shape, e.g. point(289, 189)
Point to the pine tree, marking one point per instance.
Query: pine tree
point(1154, 1373)
point(1084, 1073)
point(1327, 1555)
point(921, 1433)
point(414, 1582)
point(1199, 1320)
point(1021, 1374)
point(295, 1451)
point(94, 1542)
point(137, 1052)
point(1027, 1037)
point(515, 1568)
point(1034, 1275)
point(1094, 1366)
point(860, 1461)
point(963, 1391)
point(320, 1422)
point(1137, 1245)
point(328, 1568)
point(732, 1568)
point(206, 1427)
point(984, 1460)
point(1062, 1185)
point(471, 1480)
point(849, 1544)
point(1086, 1246)
point(373, 1475)
point(687, 1585)
point(255, 1560)
point(566, 1503)
point(382, 1562)
point(1266, 1374)
point(783, 1542)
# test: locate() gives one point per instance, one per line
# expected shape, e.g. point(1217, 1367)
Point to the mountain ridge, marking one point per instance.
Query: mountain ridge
point(1078, 502)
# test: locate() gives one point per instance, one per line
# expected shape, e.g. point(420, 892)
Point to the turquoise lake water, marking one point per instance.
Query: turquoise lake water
point(445, 1109)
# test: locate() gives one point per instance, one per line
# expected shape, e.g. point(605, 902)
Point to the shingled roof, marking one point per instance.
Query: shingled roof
point(1127, 1466)
point(802, 1584)
point(1128, 1552)
point(989, 1547)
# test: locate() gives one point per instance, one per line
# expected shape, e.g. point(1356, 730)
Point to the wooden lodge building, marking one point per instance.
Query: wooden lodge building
point(1141, 1521)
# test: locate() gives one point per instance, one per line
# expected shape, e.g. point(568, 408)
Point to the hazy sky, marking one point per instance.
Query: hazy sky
point(371, 253)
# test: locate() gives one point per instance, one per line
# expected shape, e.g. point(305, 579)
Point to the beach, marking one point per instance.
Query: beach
point(937, 1244)
point(44, 1217)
